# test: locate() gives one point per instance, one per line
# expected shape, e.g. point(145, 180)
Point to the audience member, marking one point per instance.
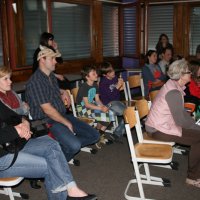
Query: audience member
point(193, 88)
point(12, 100)
point(153, 77)
point(109, 90)
point(169, 121)
point(166, 59)
point(47, 40)
point(40, 157)
point(46, 102)
point(89, 103)
point(163, 42)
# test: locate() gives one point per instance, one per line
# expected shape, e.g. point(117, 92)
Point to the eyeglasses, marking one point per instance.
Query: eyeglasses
point(188, 72)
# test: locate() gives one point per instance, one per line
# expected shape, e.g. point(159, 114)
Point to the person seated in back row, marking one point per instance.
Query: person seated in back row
point(109, 91)
point(166, 59)
point(152, 75)
point(47, 40)
point(40, 157)
point(46, 102)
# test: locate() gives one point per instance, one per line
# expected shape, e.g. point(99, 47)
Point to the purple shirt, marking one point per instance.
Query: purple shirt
point(108, 91)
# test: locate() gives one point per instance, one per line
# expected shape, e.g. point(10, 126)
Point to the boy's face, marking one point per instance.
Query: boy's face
point(92, 76)
point(110, 74)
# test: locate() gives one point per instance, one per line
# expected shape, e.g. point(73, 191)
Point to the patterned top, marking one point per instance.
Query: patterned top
point(87, 91)
point(42, 89)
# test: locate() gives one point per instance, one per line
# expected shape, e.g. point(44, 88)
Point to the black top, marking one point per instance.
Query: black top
point(8, 119)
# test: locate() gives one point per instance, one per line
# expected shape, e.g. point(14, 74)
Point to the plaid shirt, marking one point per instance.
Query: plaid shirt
point(42, 89)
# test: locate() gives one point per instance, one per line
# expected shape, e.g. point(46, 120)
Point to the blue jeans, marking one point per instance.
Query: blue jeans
point(118, 109)
point(41, 158)
point(70, 143)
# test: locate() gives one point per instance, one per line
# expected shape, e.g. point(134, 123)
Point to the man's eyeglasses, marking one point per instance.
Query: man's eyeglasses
point(188, 72)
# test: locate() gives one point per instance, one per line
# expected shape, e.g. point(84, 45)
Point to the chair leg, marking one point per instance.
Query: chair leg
point(8, 191)
point(180, 151)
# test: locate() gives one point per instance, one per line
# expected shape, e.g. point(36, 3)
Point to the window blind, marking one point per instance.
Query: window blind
point(160, 21)
point(194, 29)
point(71, 26)
point(110, 31)
point(129, 31)
point(35, 23)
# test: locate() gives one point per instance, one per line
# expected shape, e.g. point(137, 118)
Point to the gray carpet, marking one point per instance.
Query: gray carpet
point(107, 173)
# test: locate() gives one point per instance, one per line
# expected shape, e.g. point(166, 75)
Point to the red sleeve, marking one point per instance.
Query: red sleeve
point(194, 89)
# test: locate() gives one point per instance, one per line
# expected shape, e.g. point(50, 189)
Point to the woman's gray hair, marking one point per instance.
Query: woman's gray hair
point(177, 68)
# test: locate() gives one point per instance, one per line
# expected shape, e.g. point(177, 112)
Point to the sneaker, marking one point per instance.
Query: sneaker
point(192, 182)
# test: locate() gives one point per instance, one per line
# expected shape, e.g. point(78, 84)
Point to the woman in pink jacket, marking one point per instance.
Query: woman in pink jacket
point(169, 121)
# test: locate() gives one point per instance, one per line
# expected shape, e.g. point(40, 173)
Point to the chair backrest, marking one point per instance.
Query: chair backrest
point(129, 116)
point(132, 82)
point(73, 107)
point(143, 107)
point(74, 93)
point(153, 94)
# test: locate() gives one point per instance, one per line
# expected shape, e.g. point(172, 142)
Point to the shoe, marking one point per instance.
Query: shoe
point(76, 162)
point(88, 197)
point(108, 142)
point(34, 184)
point(192, 182)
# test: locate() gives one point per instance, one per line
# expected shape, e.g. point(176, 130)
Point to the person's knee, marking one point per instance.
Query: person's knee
point(75, 147)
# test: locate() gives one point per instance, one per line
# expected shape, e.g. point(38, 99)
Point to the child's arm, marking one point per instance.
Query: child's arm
point(99, 102)
point(93, 106)
point(119, 84)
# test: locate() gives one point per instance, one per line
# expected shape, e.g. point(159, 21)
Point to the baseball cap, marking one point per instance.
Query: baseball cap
point(47, 52)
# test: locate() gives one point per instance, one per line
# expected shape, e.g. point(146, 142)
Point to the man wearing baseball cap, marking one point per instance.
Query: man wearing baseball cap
point(46, 102)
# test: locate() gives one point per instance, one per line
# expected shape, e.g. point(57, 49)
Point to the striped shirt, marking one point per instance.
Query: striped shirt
point(42, 89)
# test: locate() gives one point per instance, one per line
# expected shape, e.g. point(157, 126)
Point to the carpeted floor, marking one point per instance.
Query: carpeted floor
point(107, 173)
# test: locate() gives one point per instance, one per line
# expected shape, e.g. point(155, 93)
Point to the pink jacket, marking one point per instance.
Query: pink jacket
point(160, 116)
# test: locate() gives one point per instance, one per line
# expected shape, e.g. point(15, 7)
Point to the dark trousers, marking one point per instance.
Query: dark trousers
point(189, 138)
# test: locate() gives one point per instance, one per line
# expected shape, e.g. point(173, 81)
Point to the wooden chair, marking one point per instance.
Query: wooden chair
point(7, 183)
point(153, 94)
point(143, 107)
point(142, 154)
point(135, 81)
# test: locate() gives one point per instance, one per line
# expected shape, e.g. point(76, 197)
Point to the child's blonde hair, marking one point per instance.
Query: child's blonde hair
point(4, 71)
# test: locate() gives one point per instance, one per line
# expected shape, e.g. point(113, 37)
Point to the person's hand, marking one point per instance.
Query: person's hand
point(23, 131)
point(26, 124)
point(54, 45)
point(120, 83)
point(69, 125)
point(104, 109)
point(65, 98)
